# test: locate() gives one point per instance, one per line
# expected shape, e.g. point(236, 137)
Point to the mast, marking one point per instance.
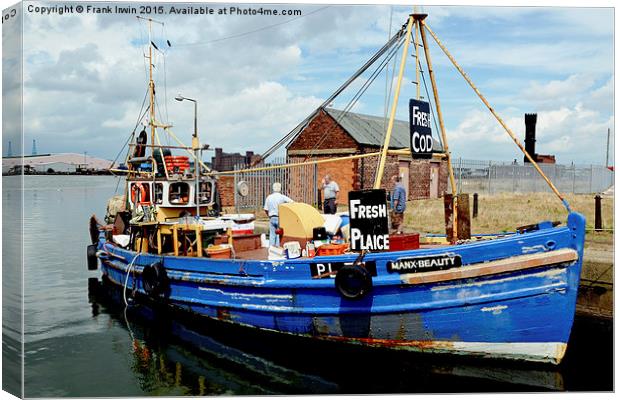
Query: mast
point(417, 57)
point(196, 146)
point(388, 134)
point(431, 73)
point(151, 92)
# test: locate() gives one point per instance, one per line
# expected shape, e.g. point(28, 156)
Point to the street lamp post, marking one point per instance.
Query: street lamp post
point(196, 148)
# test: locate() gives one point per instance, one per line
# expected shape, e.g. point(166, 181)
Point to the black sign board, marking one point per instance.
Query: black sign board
point(420, 129)
point(424, 263)
point(369, 220)
point(329, 269)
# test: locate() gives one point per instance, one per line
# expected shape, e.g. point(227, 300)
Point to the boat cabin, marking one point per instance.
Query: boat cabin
point(171, 194)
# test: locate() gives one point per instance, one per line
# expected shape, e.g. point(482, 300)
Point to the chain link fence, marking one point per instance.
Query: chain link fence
point(474, 176)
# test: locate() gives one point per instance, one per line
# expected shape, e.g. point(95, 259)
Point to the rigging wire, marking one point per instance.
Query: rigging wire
point(252, 31)
point(302, 125)
point(431, 107)
point(387, 73)
point(370, 80)
point(133, 132)
point(142, 48)
point(164, 54)
point(388, 97)
point(359, 93)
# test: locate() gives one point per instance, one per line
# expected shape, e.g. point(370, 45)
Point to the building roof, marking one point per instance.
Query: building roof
point(370, 130)
point(65, 158)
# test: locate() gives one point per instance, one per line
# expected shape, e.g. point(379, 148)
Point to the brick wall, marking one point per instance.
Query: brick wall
point(419, 179)
point(443, 177)
point(226, 187)
point(368, 166)
point(324, 133)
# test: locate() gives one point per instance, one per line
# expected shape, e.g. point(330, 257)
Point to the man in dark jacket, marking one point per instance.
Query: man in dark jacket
point(398, 204)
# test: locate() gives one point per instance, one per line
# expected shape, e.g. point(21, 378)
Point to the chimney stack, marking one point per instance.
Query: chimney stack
point(530, 136)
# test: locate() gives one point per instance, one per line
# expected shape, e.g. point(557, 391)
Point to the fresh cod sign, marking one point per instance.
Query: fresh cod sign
point(420, 129)
point(369, 220)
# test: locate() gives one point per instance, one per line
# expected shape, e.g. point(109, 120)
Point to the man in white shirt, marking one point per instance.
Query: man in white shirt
point(271, 209)
point(330, 195)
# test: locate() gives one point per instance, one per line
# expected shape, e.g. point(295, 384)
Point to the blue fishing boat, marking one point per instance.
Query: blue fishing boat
point(509, 297)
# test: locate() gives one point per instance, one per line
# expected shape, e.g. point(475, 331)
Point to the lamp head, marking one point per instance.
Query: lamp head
point(179, 98)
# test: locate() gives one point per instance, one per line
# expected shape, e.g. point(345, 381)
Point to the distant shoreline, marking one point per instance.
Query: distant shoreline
point(90, 173)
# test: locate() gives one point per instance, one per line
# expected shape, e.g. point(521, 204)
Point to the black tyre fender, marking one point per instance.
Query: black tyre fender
point(353, 282)
point(91, 256)
point(155, 280)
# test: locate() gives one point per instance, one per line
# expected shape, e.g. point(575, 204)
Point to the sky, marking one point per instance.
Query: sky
point(256, 77)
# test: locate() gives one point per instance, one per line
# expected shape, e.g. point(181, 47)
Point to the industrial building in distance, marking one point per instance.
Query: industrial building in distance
point(61, 163)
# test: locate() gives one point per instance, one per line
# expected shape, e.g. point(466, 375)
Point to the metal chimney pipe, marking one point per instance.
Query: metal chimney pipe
point(530, 136)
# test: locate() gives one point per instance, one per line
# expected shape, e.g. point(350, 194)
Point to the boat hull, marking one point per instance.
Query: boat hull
point(512, 298)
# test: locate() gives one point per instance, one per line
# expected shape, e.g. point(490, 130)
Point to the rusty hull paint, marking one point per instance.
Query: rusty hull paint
point(223, 314)
point(448, 347)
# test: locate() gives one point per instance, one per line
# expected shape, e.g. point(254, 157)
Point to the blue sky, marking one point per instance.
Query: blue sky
point(84, 75)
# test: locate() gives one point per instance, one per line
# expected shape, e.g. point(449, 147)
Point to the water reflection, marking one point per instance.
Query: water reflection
point(189, 355)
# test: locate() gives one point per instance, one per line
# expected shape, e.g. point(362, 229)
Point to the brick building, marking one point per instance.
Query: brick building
point(227, 161)
point(330, 133)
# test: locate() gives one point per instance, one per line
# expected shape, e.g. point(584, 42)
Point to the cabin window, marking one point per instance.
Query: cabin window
point(179, 193)
point(140, 193)
point(158, 192)
point(206, 189)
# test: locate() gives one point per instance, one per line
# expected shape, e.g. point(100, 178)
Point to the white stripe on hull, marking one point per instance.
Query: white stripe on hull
point(537, 352)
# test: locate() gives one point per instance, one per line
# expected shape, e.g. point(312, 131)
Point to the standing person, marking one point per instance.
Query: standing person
point(399, 204)
point(330, 195)
point(271, 209)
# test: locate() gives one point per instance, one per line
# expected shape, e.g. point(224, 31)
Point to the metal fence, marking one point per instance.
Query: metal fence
point(298, 183)
point(472, 176)
point(490, 177)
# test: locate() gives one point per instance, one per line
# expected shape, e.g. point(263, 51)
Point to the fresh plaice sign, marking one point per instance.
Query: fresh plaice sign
point(420, 129)
point(369, 220)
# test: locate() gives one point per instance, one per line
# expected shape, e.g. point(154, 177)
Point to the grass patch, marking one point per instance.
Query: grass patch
point(507, 211)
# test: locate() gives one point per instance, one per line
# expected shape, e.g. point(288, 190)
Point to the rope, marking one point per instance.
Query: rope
point(428, 96)
point(497, 117)
point(357, 96)
point(252, 31)
point(387, 74)
point(292, 135)
point(134, 129)
point(129, 267)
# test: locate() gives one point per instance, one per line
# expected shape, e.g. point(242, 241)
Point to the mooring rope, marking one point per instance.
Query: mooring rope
point(130, 267)
point(497, 117)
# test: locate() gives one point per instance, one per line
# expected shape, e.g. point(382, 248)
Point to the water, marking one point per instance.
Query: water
point(81, 341)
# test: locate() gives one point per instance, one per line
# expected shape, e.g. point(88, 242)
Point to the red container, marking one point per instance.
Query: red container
point(331, 249)
point(405, 241)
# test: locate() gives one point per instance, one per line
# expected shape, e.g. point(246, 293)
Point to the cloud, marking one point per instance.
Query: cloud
point(86, 75)
point(572, 134)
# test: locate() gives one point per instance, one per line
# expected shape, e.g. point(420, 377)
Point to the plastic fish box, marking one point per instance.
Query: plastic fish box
point(404, 241)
